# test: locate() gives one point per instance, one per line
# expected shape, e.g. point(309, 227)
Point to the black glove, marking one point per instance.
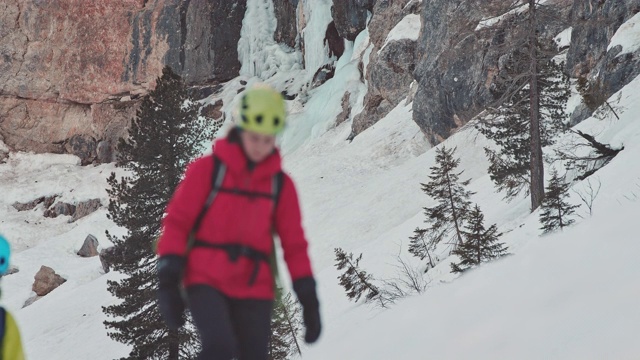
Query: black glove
point(170, 298)
point(305, 289)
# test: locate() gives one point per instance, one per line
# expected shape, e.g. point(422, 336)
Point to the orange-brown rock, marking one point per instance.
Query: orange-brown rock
point(65, 65)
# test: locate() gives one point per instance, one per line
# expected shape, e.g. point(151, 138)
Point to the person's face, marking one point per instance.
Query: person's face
point(257, 146)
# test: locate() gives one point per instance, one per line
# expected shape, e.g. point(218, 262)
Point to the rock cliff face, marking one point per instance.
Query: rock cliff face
point(458, 61)
point(594, 24)
point(287, 29)
point(350, 16)
point(390, 70)
point(72, 71)
point(73, 67)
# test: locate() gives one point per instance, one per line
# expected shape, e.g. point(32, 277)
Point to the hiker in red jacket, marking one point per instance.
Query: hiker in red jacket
point(217, 238)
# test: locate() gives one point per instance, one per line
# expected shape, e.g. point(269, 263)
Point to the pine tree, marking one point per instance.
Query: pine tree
point(531, 92)
point(509, 128)
point(421, 246)
point(480, 244)
point(286, 327)
point(448, 217)
point(355, 280)
point(165, 135)
point(556, 212)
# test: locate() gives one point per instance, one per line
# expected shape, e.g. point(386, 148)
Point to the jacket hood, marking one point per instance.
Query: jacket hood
point(229, 150)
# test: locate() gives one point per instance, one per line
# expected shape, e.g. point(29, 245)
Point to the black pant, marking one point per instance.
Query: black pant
point(230, 328)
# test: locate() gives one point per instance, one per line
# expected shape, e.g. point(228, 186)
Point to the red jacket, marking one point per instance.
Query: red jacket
point(235, 219)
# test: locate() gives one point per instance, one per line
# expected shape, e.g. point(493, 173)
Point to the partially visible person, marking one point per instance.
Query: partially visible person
point(10, 343)
point(217, 238)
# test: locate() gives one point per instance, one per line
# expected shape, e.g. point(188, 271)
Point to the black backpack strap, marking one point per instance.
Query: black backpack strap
point(277, 183)
point(3, 313)
point(217, 177)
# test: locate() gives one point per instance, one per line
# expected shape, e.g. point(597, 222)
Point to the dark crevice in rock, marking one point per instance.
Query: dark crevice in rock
point(334, 41)
point(184, 6)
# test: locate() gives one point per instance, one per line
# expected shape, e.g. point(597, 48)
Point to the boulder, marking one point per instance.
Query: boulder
point(46, 280)
point(322, 75)
point(104, 152)
point(104, 258)
point(89, 247)
point(12, 270)
point(85, 208)
point(82, 146)
point(60, 208)
point(213, 111)
point(46, 200)
point(28, 205)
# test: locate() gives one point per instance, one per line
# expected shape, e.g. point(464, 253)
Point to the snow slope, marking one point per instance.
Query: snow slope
point(67, 323)
point(567, 295)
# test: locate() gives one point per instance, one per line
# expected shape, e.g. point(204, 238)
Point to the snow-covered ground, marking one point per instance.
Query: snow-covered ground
point(67, 323)
point(407, 28)
point(566, 295)
point(627, 36)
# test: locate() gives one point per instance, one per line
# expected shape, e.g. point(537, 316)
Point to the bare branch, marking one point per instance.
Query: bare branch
point(589, 195)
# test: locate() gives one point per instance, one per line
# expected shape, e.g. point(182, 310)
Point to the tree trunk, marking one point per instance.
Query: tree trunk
point(174, 345)
point(453, 213)
point(426, 250)
point(291, 329)
point(537, 166)
point(362, 279)
point(560, 218)
point(613, 111)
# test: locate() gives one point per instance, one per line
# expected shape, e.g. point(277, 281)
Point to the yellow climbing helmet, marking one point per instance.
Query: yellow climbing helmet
point(262, 110)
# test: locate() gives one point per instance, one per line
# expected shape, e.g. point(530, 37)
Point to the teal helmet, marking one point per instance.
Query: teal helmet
point(5, 253)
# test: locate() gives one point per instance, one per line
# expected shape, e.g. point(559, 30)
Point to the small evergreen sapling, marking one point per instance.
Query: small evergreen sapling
point(421, 246)
point(286, 328)
point(445, 186)
point(480, 244)
point(355, 280)
point(556, 211)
